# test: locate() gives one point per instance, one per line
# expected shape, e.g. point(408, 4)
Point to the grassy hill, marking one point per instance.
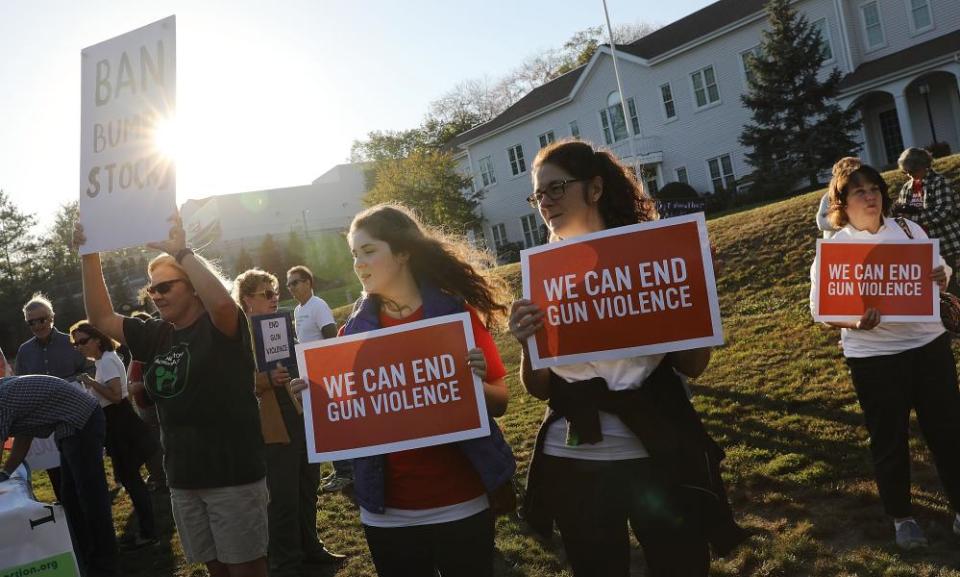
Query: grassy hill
point(777, 396)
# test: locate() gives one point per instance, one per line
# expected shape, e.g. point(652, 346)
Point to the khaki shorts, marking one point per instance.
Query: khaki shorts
point(226, 524)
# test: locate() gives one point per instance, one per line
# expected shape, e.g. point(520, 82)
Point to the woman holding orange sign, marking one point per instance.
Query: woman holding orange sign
point(432, 509)
point(593, 470)
point(896, 367)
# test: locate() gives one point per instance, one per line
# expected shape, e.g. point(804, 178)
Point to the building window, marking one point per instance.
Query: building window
point(650, 182)
point(517, 164)
point(499, 235)
point(871, 24)
point(921, 19)
point(574, 129)
point(746, 58)
point(547, 138)
point(721, 173)
point(682, 175)
point(705, 88)
point(487, 175)
point(634, 117)
point(531, 232)
point(612, 121)
point(669, 107)
point(826, 47)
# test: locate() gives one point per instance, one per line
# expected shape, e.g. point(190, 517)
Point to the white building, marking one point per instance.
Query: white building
point(683, 85)
point(228, 222)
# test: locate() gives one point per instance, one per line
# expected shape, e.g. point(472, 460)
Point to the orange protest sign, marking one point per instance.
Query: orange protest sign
point(634, 290)
point(391, 389)
point(892, 276)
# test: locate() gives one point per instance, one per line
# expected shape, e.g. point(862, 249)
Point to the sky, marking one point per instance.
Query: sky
point(269, 94)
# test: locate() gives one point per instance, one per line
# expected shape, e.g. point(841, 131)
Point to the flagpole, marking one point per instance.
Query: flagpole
point(637, 164)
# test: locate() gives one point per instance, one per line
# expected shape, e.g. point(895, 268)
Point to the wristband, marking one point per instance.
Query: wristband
point(182, 254)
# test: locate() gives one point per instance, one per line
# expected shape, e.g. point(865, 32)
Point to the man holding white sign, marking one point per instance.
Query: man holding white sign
point(127, 178)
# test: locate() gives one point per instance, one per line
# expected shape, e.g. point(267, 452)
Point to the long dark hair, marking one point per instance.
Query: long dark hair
point(623, 200)
point(449, 264)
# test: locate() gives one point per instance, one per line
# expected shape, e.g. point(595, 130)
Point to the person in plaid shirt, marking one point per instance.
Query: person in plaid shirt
point(35, 406)
point(934, 204)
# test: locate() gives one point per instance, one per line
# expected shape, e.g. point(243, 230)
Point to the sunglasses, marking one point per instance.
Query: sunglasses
point(294, 283)
point(81, 342)
point(163, 287)
point(37, 322)
point(270, 294)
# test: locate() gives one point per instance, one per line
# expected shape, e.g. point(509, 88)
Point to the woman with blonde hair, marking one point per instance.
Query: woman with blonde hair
point(200, 371)
point(292, 481)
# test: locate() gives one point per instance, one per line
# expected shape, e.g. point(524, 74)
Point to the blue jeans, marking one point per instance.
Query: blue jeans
point(85, 498)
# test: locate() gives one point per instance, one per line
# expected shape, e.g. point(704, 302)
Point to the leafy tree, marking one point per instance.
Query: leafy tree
point(429, 184)
point(797, 129)
point(295, 251)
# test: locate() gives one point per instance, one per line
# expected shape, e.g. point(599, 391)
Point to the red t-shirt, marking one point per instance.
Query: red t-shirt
point(441, 475)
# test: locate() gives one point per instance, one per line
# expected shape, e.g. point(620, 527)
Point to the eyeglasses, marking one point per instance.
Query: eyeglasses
point(270, 294)
point(38, 321)
point(294, 283)
point(81, 342)
point(555, 191)
point(163, 287)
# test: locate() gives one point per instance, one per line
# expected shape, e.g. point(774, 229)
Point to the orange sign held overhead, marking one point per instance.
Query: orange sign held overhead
point(634, 290)
point(892, 276)
point(392, 389)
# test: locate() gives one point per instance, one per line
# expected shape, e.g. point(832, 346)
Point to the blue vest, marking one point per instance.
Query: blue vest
point(490, 456)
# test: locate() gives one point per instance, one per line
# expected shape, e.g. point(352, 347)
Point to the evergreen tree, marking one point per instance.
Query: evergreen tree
point(271, 257)
point(797, 129)
point(244, 261)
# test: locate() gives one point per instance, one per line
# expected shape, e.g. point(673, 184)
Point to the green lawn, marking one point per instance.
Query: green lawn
point(777, 397)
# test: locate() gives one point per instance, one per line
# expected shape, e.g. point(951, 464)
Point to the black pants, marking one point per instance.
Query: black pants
point(292, 511)
point(594, 500)
point(458, 549)
point(85, 498)
point(888, 387)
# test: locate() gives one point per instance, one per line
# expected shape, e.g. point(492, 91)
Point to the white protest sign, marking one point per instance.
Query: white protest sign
point(34, 538)
point(275, 339)
point(128, 99)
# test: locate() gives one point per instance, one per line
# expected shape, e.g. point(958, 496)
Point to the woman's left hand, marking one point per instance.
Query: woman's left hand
point(177, 240)
point(297, 387)
point(939, 276)
point(478, 363)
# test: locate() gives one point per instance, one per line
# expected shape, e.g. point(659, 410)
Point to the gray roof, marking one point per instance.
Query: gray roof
point(673, 35)
point(913, 56)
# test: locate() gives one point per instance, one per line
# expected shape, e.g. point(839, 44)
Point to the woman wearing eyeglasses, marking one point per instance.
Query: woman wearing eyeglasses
point(127, 440)
point(200, 370)
point(291, 480)
point(673, 499)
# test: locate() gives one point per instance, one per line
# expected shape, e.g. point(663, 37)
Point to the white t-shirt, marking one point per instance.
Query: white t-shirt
point(619, 442)
point(412, 517)
point(885, 338)
point(312, 317)
point(109, 367)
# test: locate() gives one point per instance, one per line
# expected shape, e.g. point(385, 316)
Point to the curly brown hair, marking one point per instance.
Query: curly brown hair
point(451, 264)
point(623, 200)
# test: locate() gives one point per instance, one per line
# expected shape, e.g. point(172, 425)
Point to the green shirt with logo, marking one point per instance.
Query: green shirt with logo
point(203, 384)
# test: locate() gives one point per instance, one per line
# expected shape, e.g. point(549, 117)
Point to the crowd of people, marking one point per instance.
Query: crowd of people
point(621, 447)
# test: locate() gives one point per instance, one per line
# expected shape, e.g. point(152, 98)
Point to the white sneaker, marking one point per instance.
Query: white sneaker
point(910, 535)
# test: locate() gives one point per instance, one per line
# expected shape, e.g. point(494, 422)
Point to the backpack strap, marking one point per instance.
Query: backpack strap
point(903, 224)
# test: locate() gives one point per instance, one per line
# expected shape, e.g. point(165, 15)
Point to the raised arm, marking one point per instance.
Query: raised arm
point(223, 310)
point(96, 299)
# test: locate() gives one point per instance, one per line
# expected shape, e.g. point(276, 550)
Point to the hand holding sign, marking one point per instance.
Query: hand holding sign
point(176, 239)
point(526, 319)
point(279, 375)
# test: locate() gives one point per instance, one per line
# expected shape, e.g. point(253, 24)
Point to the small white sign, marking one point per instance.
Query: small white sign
point(127, 103)
point(276, 342)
